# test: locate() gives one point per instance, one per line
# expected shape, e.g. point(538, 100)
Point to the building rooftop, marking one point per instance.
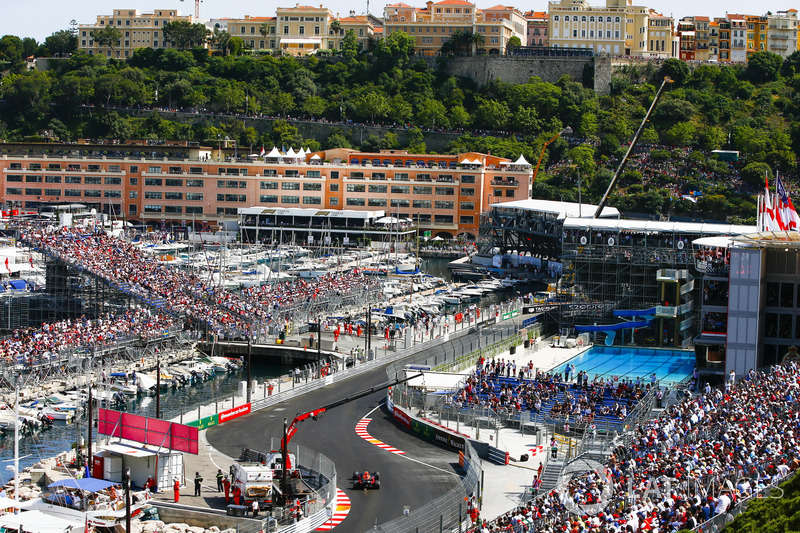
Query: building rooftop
point(562, 210)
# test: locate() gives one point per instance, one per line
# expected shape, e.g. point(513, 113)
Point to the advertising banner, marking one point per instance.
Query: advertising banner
point(236, 412)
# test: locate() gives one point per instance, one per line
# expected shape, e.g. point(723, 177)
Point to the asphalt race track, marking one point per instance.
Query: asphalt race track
point(422, 474)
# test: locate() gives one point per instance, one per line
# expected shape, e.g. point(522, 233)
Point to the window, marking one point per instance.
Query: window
point(467, 191)
point(35, 179)
point(38, 166)
point(194, 196)
point(290, 199)
point(290, 186)
point(422, 190)
point(400, 189)
point(92, 180)
point(312, 186)
point(231, 197)
point(376, 202)
point(173, 209)
point(133, 194)
point(377, 189)
point(92, 193)
point(313, 174)
point(173, 195)
point(354, 201)
point(195, 170)
point(334, 201)
point(72, 192)
point(268, 198)
point(148, 208)
point(194, 183)
point(112, 194)
point(16, 177)
point(421, 204)
point(400, 203)
point(467, 179)
point(52, 192)
point(466, 219)
point(269, 185)
point(154, 170)
point(445, 191)
point(15, 190)
point(334, 174)
point(334, 187)
point(171, 182)
point(443, 219)
point(52, 179)
point(152, 195)
point(467, 206)
point(153, 182)
point(355, 187)
point(510, 193)
point(443, 205)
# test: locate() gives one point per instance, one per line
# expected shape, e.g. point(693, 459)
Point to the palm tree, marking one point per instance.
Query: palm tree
point(336, 28)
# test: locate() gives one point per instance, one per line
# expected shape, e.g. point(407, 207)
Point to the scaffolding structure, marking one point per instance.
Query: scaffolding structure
point(525, 232)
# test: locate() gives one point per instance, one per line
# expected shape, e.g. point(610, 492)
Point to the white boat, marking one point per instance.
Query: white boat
point(96, 502)
point(146, 384)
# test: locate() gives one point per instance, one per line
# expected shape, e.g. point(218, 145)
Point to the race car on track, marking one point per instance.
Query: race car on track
point(366, 480)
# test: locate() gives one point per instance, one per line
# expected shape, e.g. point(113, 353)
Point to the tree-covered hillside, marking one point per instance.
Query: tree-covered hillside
point(753, 109)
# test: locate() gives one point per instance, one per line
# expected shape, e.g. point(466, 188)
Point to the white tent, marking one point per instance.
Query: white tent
point(37, 521)
point(387, 220)
point(274, 153)
point(301, 154)
point(290, 154)
point(316, 157)
point(476, 162)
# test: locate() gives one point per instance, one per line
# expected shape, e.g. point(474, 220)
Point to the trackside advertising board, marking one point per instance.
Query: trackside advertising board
point(235, 412)
point(437, 435)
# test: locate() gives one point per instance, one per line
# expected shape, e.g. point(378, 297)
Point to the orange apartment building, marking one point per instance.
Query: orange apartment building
point(181, 184)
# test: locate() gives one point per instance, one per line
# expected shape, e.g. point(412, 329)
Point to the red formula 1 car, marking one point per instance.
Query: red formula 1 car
point(366, 480)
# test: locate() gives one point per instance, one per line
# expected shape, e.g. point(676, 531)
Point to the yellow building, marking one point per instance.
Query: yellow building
point(756, 34)
point(138, 30)
point(782, 32)
point(660, 35)
point(258, 33)
point(433, 25)
point(618, 28)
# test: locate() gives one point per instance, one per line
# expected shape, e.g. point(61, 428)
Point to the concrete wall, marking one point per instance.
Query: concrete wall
point(177, 515)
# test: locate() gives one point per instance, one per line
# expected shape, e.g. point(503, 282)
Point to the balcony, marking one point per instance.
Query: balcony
point(671, 274)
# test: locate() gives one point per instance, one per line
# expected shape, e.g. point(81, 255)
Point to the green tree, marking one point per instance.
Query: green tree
point(513, 43)
point(108, 36)
point(183, 34)
point(676, 69)
point(350, 46)
point(313, 106)
point(492, 115)
point(432, 114)
point(755, 175)
point(220, 40)
point(395, 50)
point(416, 141)
point(681, 134)
point(763, 67)
point(61, 43)
point(371, 106)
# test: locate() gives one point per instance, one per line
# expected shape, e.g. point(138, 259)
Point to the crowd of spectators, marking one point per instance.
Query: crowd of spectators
point(582, 400)
point(183, 292)
point(698, 459)
point(37, 345)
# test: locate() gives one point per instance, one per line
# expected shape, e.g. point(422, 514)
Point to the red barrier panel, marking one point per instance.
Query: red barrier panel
point(148, 430)
point(236, 412)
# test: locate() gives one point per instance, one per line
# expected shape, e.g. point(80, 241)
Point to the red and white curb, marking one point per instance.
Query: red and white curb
point(339, 514)
point(361, 431)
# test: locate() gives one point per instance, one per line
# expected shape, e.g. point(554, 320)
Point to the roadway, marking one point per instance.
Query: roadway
point(423, 473)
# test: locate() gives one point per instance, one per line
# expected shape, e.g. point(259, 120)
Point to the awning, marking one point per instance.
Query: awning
point(88, 484)
point(301, 41)
point(316, 157)
point(37, 521)
point(128, 451)
point(387, 220)
point(273, 153)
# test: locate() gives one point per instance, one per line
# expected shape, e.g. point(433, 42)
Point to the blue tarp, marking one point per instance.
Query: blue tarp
point(614, 327)
point(633, 312)
point(85, 484)
point(18, 284)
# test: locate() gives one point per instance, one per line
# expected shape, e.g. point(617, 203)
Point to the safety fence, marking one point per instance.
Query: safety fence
point(318, 473)
point(446, 513)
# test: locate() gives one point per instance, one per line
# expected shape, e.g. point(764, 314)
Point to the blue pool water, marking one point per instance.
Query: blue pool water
point(632, 363)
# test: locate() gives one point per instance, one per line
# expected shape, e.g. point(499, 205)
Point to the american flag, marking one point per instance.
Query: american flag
point(785, 213)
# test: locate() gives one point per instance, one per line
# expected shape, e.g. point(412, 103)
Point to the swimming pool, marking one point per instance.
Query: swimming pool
point(632, 363)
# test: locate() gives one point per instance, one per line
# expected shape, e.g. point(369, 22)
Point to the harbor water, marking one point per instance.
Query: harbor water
point(62, 436)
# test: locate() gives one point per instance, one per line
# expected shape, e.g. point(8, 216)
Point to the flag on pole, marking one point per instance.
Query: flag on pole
point(785, 212)
point(263, 151)
point(766, 212)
